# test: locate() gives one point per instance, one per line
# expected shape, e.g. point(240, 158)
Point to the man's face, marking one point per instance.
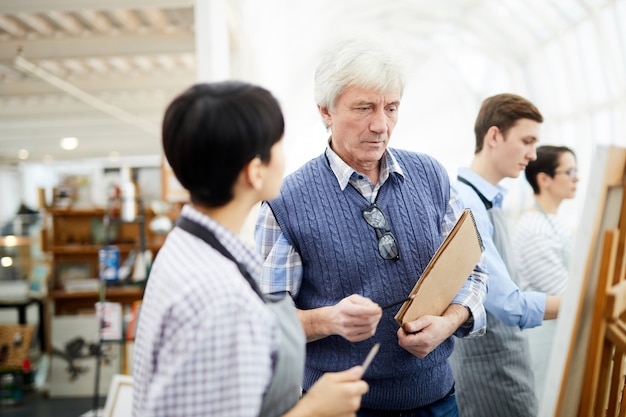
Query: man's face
point(361, 124)
point(517, 148)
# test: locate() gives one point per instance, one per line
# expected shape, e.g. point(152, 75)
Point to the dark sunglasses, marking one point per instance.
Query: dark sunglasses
point(387, 243)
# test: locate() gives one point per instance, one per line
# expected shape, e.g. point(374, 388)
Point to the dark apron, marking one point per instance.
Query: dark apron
point(493, 372)
point(284, 389)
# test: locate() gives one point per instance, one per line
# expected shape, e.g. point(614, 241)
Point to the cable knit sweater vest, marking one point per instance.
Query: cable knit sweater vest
point(340, 257)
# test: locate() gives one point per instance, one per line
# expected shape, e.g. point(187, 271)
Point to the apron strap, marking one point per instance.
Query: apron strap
point(283, 390)
point(500, 231)
point(488, 204)
point(208, 236)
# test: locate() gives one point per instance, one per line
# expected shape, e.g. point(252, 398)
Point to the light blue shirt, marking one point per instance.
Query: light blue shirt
point(504, 299)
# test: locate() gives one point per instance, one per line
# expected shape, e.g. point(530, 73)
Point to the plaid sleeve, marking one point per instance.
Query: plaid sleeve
point(282, 266)
point(472, 294)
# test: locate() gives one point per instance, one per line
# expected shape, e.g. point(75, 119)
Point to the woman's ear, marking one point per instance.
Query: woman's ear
point(543, 180)
point(254, 172)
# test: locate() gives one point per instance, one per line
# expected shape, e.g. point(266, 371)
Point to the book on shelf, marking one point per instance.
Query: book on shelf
point(77, 285)
point(110, 319)
point(133, 316)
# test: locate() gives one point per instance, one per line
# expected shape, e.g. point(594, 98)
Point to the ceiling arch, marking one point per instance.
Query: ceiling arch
point(569, 56)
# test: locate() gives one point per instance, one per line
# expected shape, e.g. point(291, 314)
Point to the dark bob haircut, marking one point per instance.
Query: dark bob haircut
point(211, 131)
point(547, 162)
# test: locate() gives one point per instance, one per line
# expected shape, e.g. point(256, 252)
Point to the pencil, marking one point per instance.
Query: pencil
point(370, 356)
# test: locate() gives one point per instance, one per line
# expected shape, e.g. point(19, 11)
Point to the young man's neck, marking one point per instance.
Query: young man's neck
point(485, 169)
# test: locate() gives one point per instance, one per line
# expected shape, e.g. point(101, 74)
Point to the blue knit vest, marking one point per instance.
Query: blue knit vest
point(340, 257)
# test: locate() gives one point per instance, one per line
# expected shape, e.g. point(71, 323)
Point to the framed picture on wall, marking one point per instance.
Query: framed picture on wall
point(73, 359)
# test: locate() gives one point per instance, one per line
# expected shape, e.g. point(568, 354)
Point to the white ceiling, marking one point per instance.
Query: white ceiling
point(109, 69)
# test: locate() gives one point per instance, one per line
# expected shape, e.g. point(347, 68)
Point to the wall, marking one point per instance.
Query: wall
point(10, 190)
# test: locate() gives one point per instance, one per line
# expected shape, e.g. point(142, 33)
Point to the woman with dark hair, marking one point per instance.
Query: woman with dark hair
point(543, 244)
point(209, 343)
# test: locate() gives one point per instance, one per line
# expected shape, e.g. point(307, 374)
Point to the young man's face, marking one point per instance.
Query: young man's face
point(517, 147)
point(361, 124)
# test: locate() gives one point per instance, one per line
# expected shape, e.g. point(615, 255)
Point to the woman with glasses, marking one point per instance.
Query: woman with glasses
point(543, 244)
point(209, 343)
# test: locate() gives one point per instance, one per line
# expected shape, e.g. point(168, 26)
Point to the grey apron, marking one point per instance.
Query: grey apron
point(284, 390)
point(493, 373)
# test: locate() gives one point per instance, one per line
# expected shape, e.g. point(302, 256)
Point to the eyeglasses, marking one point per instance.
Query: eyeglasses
point(572, 172)
point(387, 243)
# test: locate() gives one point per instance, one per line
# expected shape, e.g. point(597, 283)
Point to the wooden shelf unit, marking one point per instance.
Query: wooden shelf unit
point(73, 302)
point(74, 236)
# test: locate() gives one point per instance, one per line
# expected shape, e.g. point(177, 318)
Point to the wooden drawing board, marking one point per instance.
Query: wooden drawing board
point(602, 210)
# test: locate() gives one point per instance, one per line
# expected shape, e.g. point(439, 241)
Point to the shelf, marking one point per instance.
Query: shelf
point(153, 244)
point(73, 302)
point(111, 292)
point(117, 220)
point(75, 249)
point(76, 212)
point(10, 241)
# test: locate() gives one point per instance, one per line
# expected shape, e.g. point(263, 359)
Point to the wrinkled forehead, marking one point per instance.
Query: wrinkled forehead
point(370, 94)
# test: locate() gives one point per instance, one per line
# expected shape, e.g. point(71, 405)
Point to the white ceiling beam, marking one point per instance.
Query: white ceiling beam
point(98, 65)
point(127, 19)
point(53, 66)
point(120, 114)
point(11, 27)
point(28, 114)
point(175, 79)
point(40, 126)
point(99, 46)
point(119, 64)
point(66, 22)
point(188, 60)
point(75, 66)
point(9, 72)
point(41, 136)
point(145, 63)
point(40, 6)
point(36, 23)
point(166, 61)
point(97, 20)
point(212, 40)
point(157, 18)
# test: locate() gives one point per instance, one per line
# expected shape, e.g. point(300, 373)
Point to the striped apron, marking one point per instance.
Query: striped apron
point(492, 372)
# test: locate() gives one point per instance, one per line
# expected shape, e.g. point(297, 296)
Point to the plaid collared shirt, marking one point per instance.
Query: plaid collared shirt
point(282, 269)
point(205, 340)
